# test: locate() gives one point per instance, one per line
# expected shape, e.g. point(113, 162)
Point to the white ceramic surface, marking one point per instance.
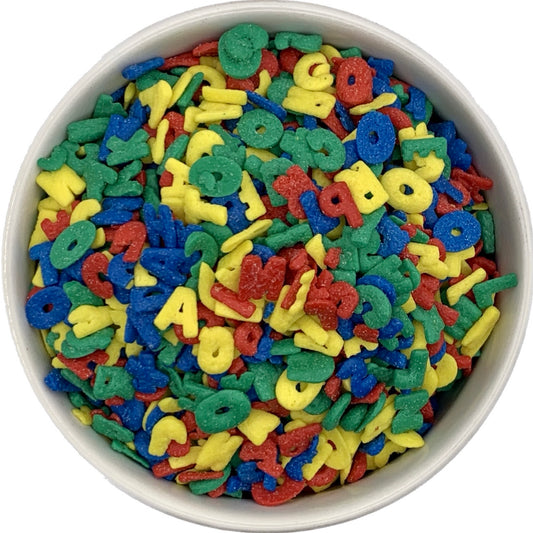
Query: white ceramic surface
point(461, 419)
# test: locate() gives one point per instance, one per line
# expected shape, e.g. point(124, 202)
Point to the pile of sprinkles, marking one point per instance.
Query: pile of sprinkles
point(259, 263)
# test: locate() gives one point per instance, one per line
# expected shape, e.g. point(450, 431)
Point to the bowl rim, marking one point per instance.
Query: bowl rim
point(124, 481)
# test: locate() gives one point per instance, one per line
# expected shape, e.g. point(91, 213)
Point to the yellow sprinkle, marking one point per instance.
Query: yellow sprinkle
point(261, 153)
point(408, 439)
point(248, 195)
point(167, 429)
point(381, 422)
point(316, 103)
point(83, 414)
point(63, 185)
point(142, 278)
point(200, 144)
point(87, 319)
point(383, 457)
point(206, 278)
point(256, 229)
point(295, 395)
point(217, 451)
point(281, 319)
point(455, 291)
point(429, 262)
point(340, 456)
point(215, 349)
point(130, 94)
point(189, 459)
point(190, 124)
point(312, 329)
point(323, 451)
point(212, 112)
point(320, 78)
point(446, 370)
point(383, 100)
point(366, 190)
point(329, 51)
point(315, 248)
point(428, 168)
point(409, 305)
point(180, 308)
point(158, 98)
point(158, 145)
point(395, 181)
point(354, 345)
point(477, 335)
point(331, 347)
point(258, 425)
point(264, 83)
point(224, 96)
point(196, 210)
point(455, 261)
point(85, 210)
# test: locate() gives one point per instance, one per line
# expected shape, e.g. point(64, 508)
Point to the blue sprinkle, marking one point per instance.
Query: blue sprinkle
point(354, 366)
point(159, 226)
point(374, 446)
point(234, 484)
point(310, 122)
point(165, 263)
point(389, 331)
point(267, 311)
point(458, 155)
point(266, 104)
point(146, 377)
point(435, 358)
point(140, 328)
point(361, 387)
point(47, 307)
point(249, 473)
point(270, 483)
point(120, 272)
point(110, 217)
point(41, 252)
point(442, 185)
point(131, 413)
point(384, 67)
point(118, 94)
point(417, 103)
point(57, 383)
point(187, 362)
point(344, 117)
point(319, 222)
point(264, 252)
point(126, 203)
point(237, 220)
point(394, 238)
point(134, 71)
point(149, 299)
point(351, 154)
point(430, 216)
point(405, 342)
point(295, 465)
point(467, 226)
point(345, 328)
point(394, 358)
point(377, 281)
point(142, 443)
point(376, 138)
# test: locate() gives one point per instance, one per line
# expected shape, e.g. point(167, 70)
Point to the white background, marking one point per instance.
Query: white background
point(45, 48)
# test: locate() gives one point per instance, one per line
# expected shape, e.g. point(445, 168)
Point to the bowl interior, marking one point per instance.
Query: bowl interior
point(458, 420)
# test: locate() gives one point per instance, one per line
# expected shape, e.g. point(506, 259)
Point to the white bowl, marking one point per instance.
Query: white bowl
point(456, 423)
